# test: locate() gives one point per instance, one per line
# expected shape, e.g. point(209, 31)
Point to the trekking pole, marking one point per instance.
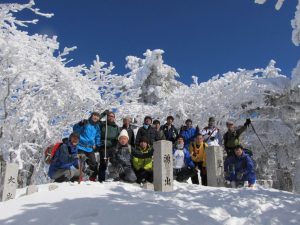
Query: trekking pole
point(80, 168)
point(258, 137)
point(105, 140)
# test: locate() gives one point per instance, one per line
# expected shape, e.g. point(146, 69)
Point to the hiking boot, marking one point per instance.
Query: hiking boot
point(93, 179)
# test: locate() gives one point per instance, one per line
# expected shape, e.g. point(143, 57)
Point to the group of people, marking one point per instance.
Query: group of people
point(128, 157)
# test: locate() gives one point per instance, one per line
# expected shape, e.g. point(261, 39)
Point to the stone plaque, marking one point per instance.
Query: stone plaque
point(9, 182)
point(215, 166)
point(163, 166)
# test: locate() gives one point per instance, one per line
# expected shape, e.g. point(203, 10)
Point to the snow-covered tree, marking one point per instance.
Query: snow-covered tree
point(40, 96)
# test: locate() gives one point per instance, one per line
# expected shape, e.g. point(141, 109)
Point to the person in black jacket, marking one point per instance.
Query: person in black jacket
point(109, 140)
point(156, 125)
point(169, 130)
point(127, 126)
point(121, 167)
point(147, 131)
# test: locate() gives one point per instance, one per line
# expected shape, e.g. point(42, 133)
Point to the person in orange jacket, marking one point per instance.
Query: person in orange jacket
point(198, 155)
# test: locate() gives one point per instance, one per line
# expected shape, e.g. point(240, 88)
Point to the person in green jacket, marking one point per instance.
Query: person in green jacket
point(232, 136)
point(110, 141)
point(142, 161)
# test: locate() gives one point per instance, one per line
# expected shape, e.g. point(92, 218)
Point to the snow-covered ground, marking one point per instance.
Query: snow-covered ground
point(119, 203)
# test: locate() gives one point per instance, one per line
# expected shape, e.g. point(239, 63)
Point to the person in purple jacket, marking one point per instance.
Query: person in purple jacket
point(64, 164)
point(239, 168)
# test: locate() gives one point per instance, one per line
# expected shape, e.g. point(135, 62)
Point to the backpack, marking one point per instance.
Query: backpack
point(51, 150)
point(250, 154)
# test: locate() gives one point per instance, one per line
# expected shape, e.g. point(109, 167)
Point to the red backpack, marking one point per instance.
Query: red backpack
point(50, 152)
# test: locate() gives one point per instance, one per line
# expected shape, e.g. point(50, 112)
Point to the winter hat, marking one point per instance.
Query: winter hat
point(147, 117)
point(212, 119)
point(144, 139)
point(123, 133)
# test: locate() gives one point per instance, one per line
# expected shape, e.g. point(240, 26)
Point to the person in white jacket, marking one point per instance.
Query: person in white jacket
point(211, 133)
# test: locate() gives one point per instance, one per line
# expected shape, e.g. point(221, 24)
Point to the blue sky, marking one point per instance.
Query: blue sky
point(199, 37)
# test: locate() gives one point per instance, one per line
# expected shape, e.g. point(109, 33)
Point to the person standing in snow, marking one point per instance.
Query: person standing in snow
point(212, 135)
point(64, 164)
point(108, 141)
point(142, 161)
point(188, 132)
point(127, 126)
point(239, 168)
point(198, 154)
point(147, 131)
point(89, 131)
point(169, 130)
point(156, 126)
point(121, 168)
point(183, 166)
point(232, 137)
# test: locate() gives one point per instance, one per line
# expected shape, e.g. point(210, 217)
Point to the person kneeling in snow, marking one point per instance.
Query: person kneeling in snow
point(239, 168)
point(64, 165)
point(120, 168)
point(184, 168)
point(142, 161)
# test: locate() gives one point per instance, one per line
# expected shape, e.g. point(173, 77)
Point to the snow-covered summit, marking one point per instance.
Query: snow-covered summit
point(115, 203)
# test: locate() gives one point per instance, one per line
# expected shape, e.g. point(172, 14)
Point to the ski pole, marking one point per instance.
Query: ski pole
point(258, 137)
point(80, 168)
point(105, 140)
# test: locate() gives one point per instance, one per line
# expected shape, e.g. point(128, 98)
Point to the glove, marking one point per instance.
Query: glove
point(197, 129)
point(83, 123)
point(248, 122)
point(105, 113)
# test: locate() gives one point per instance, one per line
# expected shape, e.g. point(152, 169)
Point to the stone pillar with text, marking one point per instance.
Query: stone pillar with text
point(9, 181)
point(215, 166)
point(163, 166)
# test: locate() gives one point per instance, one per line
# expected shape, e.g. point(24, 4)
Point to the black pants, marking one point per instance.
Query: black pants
point(184, 174)
point(230, 152)
point(91, 161)
point(144, 176)
point(103, 163)
point(203, 174)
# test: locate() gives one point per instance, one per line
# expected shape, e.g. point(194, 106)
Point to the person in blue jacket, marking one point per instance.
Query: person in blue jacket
point(90, 136)
point(183, 166)
point(239, 168)
point(64, 164)
point(188, 132)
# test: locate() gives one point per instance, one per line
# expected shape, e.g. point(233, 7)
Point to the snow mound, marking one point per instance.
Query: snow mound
point(110, 203)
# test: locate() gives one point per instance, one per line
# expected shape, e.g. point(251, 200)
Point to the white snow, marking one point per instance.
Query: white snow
point(277, 6)
point(296, 26)
point(119, 203)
